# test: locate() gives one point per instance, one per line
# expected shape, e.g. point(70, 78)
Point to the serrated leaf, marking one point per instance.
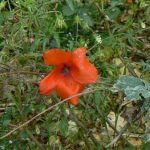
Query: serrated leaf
point(113, 13)
point(87, 19)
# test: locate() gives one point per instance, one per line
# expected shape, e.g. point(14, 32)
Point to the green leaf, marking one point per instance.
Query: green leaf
point(87, 19)
point(2, 5)
point(67, 11)
point(57, 39)
point(99, 147)
point(113, 13)
point(70, 4)
point(6, 122)
point(63, 125)
point(134, 88)
point(97, 97)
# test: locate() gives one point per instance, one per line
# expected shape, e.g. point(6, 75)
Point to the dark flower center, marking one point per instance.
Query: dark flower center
point(66, 70)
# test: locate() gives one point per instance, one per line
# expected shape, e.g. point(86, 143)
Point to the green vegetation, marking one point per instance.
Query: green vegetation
point(116, 115)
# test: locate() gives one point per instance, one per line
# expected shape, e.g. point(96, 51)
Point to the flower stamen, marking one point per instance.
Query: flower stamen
point(66, 70)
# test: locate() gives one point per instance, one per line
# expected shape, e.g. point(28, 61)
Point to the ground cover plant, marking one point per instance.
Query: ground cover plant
point(113, 113)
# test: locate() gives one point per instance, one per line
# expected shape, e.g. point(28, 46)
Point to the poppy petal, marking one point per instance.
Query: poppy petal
point(49, 83)
point(82, 70)
point(68, 87)
point(81, 52)
point(74, 101)
point(56, 57)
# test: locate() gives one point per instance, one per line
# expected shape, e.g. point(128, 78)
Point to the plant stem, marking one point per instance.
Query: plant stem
point(43, 112)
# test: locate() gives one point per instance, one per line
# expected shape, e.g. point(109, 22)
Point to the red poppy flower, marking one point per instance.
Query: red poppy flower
point(73, 71)
point(130, 1)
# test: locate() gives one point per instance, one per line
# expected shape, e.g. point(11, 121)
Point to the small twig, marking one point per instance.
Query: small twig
point(93, 46)
point(79, 123)
point(77, 30)
point(11, 104)
point(21, 72)
point(9, 6)
point(129, 135)
point(34, 139)
point(31, 136)
point(73, 117)
point(87, 144)
point(130, 67)
point(100, 82)
point(133, 135)
point(43, 112)
point(3, 67)
point(113, 127)
point(122, 130)
point(119, 135)
point(8, 67)
point(2, 109)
